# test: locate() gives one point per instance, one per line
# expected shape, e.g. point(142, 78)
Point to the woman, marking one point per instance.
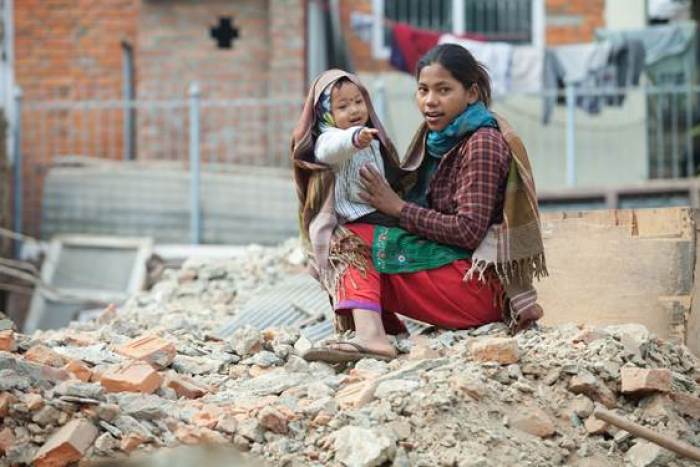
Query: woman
point(465, 242)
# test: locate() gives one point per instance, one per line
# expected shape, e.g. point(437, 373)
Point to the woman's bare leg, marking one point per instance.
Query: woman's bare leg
point(369, 332)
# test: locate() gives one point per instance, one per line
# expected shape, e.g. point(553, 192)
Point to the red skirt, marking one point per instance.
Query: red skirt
point(437, 296)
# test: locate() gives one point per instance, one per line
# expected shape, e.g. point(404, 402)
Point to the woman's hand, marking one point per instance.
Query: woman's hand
point(378, 193)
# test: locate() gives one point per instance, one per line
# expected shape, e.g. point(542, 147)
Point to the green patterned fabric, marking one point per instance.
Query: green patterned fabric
point(396, 251)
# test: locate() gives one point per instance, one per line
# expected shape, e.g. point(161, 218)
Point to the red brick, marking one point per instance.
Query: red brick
point(79, 369)
point(501, 350)
point(7, 440)
point(357, 394)
point(33, 401)
point(151, 349)
point(66, 445)
point(207, 417)
point(197, 435)
point(6, 400)
point(44, 355)
point(595, 426)
point(131, 442)
point(645, 380)
point(184, 386)
point(275, 419)
point(133, 377)
point(532, 420)
point(7, 341)
point(687, 404)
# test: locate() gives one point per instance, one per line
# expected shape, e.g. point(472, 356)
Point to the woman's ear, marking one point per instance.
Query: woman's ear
point(473, 94)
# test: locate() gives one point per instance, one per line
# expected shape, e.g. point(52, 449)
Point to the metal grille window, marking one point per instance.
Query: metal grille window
point(514, 21)
point(499, 20)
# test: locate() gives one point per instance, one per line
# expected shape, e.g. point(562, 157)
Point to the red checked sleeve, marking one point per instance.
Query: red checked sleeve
point(477, 191)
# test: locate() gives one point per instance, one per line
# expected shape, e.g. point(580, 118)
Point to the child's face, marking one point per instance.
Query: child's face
point(348, 106)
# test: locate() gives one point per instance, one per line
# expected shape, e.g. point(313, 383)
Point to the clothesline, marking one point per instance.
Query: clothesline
point(605, 65)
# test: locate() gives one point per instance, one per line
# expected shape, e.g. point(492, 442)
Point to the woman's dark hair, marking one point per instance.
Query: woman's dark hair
point(462, 66)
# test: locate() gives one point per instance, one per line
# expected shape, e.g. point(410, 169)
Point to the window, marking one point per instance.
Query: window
point(514, 21)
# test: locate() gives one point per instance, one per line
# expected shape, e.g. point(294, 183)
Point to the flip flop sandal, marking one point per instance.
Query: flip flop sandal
point(328, 355)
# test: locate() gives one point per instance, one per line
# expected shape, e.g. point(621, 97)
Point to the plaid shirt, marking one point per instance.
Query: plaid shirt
point(466, 193)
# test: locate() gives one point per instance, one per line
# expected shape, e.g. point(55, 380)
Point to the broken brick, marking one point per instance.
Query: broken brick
point(132, 441)
point(79, 369)
point(588, 335)
point(503, 350)
point(595, 426)
point(468, 385)
point(134, 377)
point(184, 386)
point(586, 383)
point(227, 423)
point(421, 349)
point(33, 401)
point(533, 420)
point(275, 419)
point(198, 435)
point(6, 400)
point(322, 419)
point(687, 404)
point(66, 445)
point(7, 341)
point(645, 380)
point(207, 417)
point(357, 394)
point(7, 440)
point(44, 355)
point(151, 349)
point(79, 339)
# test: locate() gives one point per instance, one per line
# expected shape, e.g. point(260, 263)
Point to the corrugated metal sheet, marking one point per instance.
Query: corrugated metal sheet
point(299, 302)
point(296, 301)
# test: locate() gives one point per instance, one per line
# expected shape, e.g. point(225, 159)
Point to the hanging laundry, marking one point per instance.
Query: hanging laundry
point(496, 56)
point(669, 50)
point(596, 70)
point(526, 69)
point(409, 44)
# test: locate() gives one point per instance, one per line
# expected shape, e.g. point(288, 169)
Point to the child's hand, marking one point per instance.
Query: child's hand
point(365, 136)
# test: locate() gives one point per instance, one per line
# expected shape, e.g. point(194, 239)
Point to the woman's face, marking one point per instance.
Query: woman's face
point(441, 97)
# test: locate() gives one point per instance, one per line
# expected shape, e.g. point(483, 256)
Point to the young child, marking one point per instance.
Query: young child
point(347, 142)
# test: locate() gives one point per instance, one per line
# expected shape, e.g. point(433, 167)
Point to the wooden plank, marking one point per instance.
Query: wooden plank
point(611, 267)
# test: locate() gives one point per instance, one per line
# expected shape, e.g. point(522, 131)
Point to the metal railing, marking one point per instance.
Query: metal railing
point(650, 134)
point(193, 133)
point(588, 136)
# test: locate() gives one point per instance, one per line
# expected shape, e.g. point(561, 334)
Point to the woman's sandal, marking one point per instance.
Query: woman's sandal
point(329, 355)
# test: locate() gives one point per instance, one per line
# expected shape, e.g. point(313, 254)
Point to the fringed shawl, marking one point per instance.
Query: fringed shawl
point(315, 186)
point(514, 248)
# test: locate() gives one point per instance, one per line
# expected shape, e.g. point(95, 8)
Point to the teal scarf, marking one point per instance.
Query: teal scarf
point(396, 251)
point(474, 117)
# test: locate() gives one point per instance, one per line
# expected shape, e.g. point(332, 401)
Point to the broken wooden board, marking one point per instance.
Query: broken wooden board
point(86, 271)
point(620, 266)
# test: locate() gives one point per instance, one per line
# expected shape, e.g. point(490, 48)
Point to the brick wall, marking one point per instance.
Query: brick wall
point(68, 50)
point(567, 21)
point(359, 50)
point(71, 50)
point(266, 61)
point(572, 21)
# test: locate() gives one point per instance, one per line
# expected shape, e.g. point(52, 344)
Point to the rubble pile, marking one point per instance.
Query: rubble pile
point(154, 375)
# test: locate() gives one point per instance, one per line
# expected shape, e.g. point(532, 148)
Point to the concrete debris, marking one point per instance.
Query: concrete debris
point(154, 374)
